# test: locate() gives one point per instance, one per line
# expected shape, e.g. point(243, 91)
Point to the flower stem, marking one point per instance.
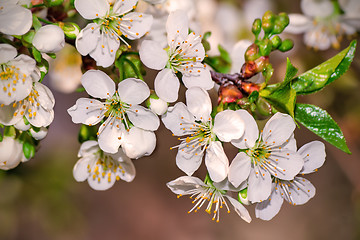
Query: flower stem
point(44, 20)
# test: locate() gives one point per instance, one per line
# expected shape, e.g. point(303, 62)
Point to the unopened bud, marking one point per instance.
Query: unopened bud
point(286, 45)
point(156, 104)
point(268, 20)
point(263, 107)
point(276, 42)
point(265, 47)
point(252, 52)
point(243, 198)
point(49, 39)
point(256, 27)
point(39, 134)
point(71, 30)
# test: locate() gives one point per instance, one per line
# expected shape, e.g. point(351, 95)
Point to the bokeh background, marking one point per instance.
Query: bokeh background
point(41, 200)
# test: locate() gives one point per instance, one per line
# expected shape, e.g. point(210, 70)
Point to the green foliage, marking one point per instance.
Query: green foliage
point(221, 63)
point(36, 54)
point(320, 122)
point(205, 42)
point(36, 23)
point(327, 72)
point(129, 66)
point(87, 133)
point(282, 98)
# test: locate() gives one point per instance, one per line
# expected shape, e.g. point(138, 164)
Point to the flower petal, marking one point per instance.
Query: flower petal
point(49, 39)
point(133, 91)
point(298, 23)
point(317, 8)
point(268, 209)
point(102, 183)
point(167, 85)
point(175, 116)
point(121, 7)
point(110, 135)
point(8, 53)
point(88, 148)
point(153, 55)
point(199, 103)
point(240, 209)
point(138, 143)
point(259, 188)
point(177, 26)
point(11, 153)
point(98, 84)
point(228, 125)
point(237, 55)
point(188, 160)
point(278, 129)
point(139, 24)
point(199, 79)
point(300, 191)
point(216, 161)
point(251, 132)
point(105, 51)
point(127, 171)
point(15, 20)
point(80, 170)
point(143, 118)
point(45, 96)
point(91, 9)
point(87, 111)
point(88, 38)
point(184, 184)
point(239, 169)
point(285, 164)
point(314, 155)
point(43, 117)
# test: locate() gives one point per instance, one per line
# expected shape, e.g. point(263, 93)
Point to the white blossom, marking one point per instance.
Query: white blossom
point(119, 110)
point(14, 19)
point(199, 132)
point(264, 156)
point(211, 194)
point(11, 153)
point(297, 191)
point(102, 169)
point(184, 54)
point(49, 39)
point(111, 23)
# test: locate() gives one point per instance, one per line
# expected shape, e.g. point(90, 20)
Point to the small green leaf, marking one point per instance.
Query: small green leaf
point(290, 72)
point(327, 72)
point(253, 96)
point(321, 123)
point(80, 89)
point(28, 149)
point(36, 54)
point(224, 54)
point(52, 55)
point(1, 137)
point(218, 64)
point(36, 23)
point(282, 98)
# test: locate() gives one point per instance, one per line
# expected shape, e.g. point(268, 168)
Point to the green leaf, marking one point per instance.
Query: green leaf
point(290, 72)
point(320, 122)
point(224, 54)
point(28, 149)
point(327, 72)
point(253, 96)
point(36, 23)
point(218, 64)
point(80, 89)
point(9, 131)
point(1, 137)
point(52, 55)
point(87, 133)
point(283, 98)
point(205, 42)
point(36, 54)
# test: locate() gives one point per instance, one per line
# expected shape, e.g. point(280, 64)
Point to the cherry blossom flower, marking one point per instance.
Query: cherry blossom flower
point(120, 110)
point(17, 74)
point(323, 23)
point(184, 54)
point(200, 131)
point(102, 169)
point(297, 191)
point(270, 154)
point(112, 24)
point(49, 39)
point(14, 19)
point(211, 194)
point(11, 153)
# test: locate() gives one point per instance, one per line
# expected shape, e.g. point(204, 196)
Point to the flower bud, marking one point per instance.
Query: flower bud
point(265, 47)
point(71, 30)
point(268, 20)
point(156, 104)
point(53, 3)
point(286, 45)
point(243, 198)
point(256, 27)
point(263, 107)
point(276, 42)
point(38, 135)
point(22, 126)
point(11, 153)
point(49, 39)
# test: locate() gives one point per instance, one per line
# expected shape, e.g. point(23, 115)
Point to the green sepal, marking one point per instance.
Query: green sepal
point(321, 123)
point(253, 96)
point(27, 38)
point(36, 23)
point(327, 72)
point(9, 131)
point(290, 72)
point(28, 149)
point(242, 194)
point(36, 54)
point(52, 55)
point(268, 72)
point(87, 133)
point(80, 89)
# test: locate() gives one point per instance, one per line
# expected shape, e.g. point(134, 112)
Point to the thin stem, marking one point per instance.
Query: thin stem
point(136, 70)
point(44, 20)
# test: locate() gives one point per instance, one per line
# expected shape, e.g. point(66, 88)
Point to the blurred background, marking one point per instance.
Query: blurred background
point(41, 200)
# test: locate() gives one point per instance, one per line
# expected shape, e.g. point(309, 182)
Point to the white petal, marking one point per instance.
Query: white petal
point(45, 96)
point(110, 135)
point(153, 55)
point(278, 129)
point(49, 39)
point(41, 134)
point(139, 24)
point(88, 38)
point(300, 191)
point(11, 153)
point(268, 209)
point(121, 7)
point(251, 132)
point(91, 9)
point(177, 26)
point(317, 39)
point(199, 103)
point(138, 143)
point(240, 209)
point(7, 115)
point(228, 125)
point(80, 170)
point(184, 184)
point(143, 118)
point(298, 23)
point(226, 185)
point(175, 116)
point(158, 106)
point(237, 55)
point(288, 164)
point(289, 144)
point(133, 91)
point(15, 20)
point(239, 169)
point(188, 160)
point(101, 183)
point(8, 53)
point(98, 84)
point(105, 50)
point(88, 148)
point(259, 188)
point(216, 161)
point(26, 64)
point(43, 117)
point(317, 8)
point(127, 171)
point(199, 79)
point(167, 85)
point(86, 111)
point(21, 125)
point(314, 155)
